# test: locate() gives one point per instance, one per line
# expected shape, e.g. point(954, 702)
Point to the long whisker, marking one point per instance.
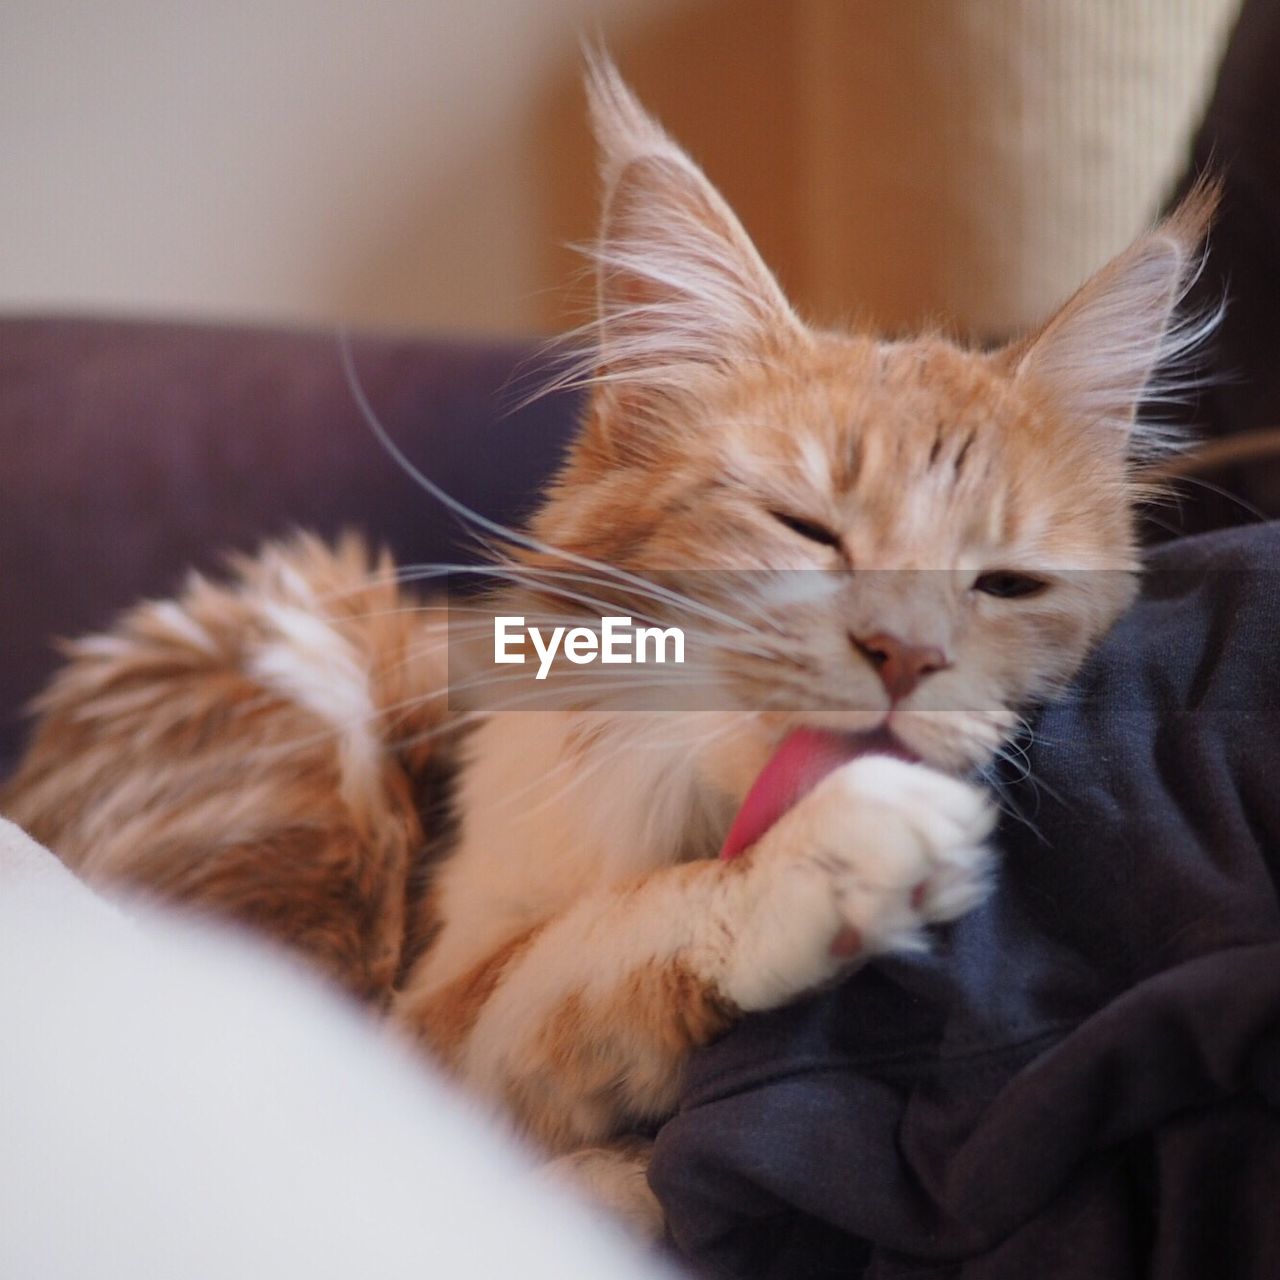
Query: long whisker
point(543, 578)
point(508, 569)
point(1201, 483)
point(463, 512)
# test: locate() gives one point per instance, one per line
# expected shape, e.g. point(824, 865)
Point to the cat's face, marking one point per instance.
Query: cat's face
point(902, 536)
point(926, 520)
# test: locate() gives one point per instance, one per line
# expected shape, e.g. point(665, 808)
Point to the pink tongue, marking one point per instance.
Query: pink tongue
point(802, 760)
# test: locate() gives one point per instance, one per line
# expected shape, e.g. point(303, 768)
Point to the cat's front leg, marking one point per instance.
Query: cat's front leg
point(879, 850)
point(580, 1026)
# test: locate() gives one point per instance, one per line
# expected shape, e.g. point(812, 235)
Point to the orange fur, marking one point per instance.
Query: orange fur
point(445, 1019)
point(253, 748)
point(163, 762)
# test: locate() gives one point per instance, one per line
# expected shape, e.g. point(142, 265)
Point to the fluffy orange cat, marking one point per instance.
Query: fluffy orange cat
point(262, 747)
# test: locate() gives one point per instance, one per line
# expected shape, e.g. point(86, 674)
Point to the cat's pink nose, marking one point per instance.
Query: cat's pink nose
point(900, 664)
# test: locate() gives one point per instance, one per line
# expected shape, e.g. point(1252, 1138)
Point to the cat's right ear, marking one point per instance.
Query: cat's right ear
point(1119, 340)
point(679, 285)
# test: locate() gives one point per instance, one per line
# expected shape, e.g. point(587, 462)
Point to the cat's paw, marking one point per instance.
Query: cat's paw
point(613, 1179)
point(902, 845)
point(876, 852)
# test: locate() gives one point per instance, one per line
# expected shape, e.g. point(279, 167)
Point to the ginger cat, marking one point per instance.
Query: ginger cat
point(262, 748)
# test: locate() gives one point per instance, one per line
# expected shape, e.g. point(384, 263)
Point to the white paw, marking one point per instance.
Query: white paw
point(876, 852)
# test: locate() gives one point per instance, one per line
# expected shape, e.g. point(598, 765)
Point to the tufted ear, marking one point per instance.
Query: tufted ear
point(1118, 340)
point(678, 281)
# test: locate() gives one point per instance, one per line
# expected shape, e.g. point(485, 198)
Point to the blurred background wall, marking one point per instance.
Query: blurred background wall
point(421, 163)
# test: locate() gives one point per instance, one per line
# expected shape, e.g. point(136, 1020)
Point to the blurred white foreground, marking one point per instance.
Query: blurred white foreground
point(177, 1102)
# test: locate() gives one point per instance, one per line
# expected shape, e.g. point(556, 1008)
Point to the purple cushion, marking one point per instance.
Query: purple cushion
point(133, 450)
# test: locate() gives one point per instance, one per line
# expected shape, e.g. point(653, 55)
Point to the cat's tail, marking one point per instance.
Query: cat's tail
point(334, 629)
point(253, 746)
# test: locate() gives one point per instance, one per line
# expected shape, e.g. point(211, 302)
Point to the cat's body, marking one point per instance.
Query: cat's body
point(265, 749)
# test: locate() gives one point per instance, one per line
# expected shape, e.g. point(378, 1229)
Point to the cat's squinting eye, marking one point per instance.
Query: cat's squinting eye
point(810, 529)
point(1006, 584)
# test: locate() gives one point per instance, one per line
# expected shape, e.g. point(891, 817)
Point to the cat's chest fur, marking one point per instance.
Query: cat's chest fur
point(549, 806)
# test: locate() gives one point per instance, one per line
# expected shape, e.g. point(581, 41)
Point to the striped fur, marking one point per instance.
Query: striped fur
point(227, 749)
point(257, 748)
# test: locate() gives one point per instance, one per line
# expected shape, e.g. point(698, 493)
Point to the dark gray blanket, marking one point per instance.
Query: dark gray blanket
point(1083, 1080)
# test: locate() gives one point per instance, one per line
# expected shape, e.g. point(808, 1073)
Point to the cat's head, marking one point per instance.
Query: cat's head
point(985, 500)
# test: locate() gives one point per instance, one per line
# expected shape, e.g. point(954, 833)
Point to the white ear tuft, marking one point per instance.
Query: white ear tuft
point(678, 281)
point(623, 129)
point(1118, 342)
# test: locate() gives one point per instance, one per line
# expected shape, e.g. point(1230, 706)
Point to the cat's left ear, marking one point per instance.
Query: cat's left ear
point(1098, 357)
point(679, 283)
